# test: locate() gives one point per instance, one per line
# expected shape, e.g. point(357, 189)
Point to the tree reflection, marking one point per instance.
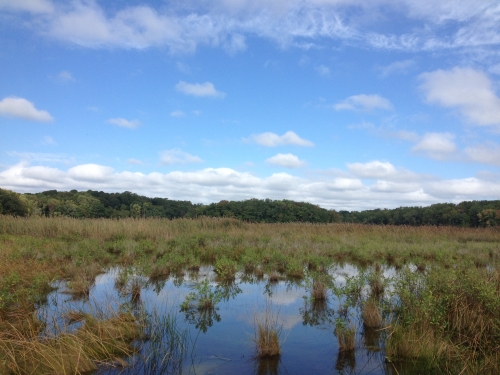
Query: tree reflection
point(316, 312)
point(200, 307)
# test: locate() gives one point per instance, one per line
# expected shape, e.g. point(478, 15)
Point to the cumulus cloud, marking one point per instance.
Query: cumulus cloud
point(199, 89)
point(177, 156)
point(468, 90)
point(269, 139)
point(486, 153)
point(23, 109)
point(90, 172)
point(130, 124)
point(439, 146)
point(286, 160)
point(363, 102)
point(214, 184)
point(382, 170)
point(373, 169)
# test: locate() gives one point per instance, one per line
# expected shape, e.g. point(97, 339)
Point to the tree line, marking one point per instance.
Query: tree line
point(98, 204)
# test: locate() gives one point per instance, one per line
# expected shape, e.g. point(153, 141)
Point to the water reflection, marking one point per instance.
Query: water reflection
point(269, 366)
point(317, 312)
point(371, 339)
point(225, 329)
point(346, 362)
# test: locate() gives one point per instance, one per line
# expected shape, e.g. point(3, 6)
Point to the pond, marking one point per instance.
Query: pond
point(220, 339)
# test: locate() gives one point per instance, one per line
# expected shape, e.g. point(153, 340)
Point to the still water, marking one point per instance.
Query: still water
point(221, 340)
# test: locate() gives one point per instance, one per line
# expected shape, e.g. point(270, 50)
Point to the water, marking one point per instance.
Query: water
point(220, 341)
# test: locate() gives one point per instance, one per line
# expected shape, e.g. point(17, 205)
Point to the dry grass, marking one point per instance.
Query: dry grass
point(346, 334)
point(319, 291)
point(371, 314)
point(27, 352)
point(268, 333)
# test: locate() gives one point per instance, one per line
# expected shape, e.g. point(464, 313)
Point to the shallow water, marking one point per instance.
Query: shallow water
point(221, 341)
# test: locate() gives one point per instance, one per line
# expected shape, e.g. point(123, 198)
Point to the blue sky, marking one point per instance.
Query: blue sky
point(346, 104)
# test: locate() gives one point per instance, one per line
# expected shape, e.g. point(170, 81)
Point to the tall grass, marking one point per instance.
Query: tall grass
point(268, 333)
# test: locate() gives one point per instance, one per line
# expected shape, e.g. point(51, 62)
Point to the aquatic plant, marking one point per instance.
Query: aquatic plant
point(346, 334)
point(268, 332)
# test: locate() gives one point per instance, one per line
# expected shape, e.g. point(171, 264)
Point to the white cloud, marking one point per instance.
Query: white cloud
point(439, 146)
point(65, 76)
point(32, 6)
point(373, 169)
point(269, 139)
point(199, 89)
point(363, 102)
point(133, 161)
point(24, 109)
point(48, 140)
point(323, 70)
point(177, 156)
point(469, 90)
point(405, 135)
point(384, 171)
point(214, 184)
point(486, 153)
point(397, 67)
point(42, 157)
point(130, 124)
point(286, 160)
point(177, 114)
point(236, 43)
point(182, 26)
point(90, 172)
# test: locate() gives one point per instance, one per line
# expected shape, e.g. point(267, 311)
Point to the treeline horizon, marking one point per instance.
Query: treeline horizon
point(99, 204)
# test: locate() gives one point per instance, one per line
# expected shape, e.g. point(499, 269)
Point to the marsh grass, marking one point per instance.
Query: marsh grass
point(454, 301)
point(29, 352)
point(346, 335)
point(268, 333)
point(319, 291)
point(371, 314)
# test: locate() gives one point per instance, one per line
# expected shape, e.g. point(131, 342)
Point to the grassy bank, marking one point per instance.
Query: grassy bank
point(443, 308)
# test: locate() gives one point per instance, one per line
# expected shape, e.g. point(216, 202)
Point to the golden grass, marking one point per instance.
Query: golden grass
point(319, 291)
point(371, 314)
point(346, 335)
point(26, 352)
point(267, 334)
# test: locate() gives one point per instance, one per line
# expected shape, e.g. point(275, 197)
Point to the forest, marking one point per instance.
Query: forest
point(99, 204)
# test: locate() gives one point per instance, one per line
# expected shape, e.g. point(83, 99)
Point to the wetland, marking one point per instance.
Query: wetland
point(221, 296)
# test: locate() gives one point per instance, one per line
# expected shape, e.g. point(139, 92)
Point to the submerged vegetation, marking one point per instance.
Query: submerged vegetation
point(438, 307)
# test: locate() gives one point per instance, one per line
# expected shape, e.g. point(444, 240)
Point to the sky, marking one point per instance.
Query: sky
point(347, 104)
